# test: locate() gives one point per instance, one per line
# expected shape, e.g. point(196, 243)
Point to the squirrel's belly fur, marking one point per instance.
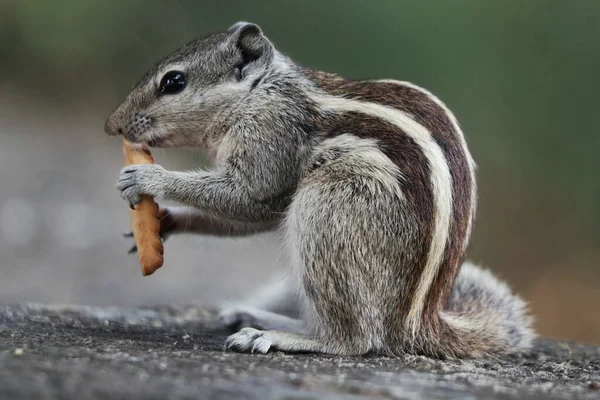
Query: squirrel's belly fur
point(371, 180)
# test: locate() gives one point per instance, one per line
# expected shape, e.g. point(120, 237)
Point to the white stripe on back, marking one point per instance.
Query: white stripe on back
point(441, 181)
point(463, 144)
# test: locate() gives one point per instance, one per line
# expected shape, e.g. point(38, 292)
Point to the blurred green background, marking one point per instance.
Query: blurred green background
point(521, 76)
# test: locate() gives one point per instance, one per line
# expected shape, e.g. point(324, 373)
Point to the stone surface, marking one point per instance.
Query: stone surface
point(55, 352)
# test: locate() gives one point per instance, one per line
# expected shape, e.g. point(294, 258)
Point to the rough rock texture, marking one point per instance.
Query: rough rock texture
point(55, 352)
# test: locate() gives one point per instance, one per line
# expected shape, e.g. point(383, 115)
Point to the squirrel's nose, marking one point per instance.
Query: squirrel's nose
point(111, 127)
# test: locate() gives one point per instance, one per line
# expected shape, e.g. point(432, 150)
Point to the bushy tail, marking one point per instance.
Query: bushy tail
point(483, 308)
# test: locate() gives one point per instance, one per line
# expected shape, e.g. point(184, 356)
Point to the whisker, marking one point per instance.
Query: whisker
point(188, 219)
point(166, 215)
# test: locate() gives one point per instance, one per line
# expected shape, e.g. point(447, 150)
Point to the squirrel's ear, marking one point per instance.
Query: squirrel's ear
point(251, 42)
point(239, 25)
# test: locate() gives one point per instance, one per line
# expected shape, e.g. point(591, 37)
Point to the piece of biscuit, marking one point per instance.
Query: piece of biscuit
point(144, 219)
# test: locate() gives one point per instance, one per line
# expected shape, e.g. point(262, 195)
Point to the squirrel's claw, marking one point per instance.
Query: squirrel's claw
point(133, 249)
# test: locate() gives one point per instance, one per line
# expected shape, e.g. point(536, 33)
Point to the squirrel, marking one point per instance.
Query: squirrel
point(370, 183)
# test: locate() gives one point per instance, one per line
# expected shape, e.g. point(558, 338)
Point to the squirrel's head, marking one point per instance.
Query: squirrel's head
point(182, 94)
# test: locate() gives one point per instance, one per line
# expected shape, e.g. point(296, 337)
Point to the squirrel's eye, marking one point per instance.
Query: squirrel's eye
point(172, 82)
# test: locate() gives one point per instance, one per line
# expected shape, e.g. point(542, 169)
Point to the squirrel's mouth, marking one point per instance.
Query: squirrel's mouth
point(160, 142)
point(153, 142)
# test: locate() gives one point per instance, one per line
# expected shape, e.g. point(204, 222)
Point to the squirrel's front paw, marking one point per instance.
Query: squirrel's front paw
point(140, 179)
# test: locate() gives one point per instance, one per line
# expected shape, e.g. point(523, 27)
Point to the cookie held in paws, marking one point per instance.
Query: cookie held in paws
point(144, 218)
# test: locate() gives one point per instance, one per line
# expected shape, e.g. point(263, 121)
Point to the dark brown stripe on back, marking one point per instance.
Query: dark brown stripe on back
point(426, 112)
point(415, 186)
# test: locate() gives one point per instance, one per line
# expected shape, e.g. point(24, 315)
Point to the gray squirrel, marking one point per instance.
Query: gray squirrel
point(370, 183)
